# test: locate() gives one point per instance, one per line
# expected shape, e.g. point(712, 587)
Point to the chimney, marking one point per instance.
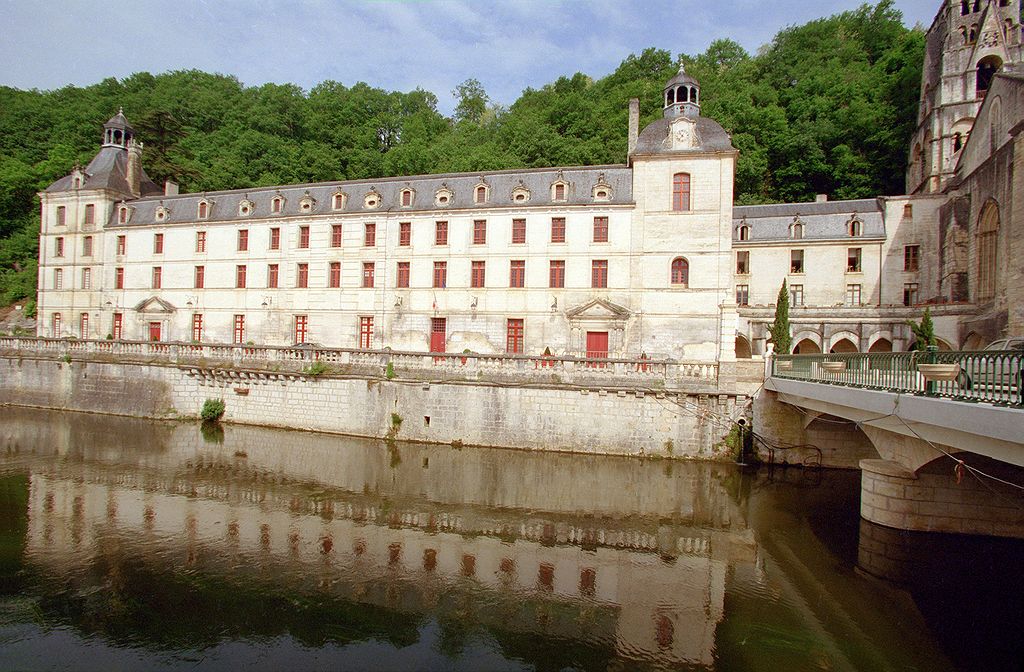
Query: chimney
point(821, 198)
point(634, 123)
point(170, 188)
point(134, 169)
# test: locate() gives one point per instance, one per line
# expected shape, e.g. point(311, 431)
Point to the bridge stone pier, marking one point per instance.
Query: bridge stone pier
point(909, 449)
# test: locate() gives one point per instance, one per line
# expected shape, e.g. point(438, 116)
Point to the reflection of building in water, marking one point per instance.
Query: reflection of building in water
point(651, 582)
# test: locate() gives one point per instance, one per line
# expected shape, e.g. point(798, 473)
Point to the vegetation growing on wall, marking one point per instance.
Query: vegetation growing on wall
point(826, 107)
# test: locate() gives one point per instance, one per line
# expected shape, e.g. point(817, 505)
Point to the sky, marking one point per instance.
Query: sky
point(391, 44)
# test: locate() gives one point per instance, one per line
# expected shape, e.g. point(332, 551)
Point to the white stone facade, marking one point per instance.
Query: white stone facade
point(575, 261)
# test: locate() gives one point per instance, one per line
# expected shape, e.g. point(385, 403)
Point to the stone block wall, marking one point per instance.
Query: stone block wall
point(932, 501)
point(501, 415)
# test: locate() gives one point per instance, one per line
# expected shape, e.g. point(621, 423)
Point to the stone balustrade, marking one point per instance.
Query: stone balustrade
point(469, 366)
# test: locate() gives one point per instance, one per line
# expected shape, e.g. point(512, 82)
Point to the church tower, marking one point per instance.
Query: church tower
point(968, 41)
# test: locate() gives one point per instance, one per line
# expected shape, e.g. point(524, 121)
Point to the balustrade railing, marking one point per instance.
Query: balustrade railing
point(476, 366)
point(993, 376)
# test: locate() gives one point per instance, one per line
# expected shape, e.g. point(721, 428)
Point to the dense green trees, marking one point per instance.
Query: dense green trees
point(827, 107)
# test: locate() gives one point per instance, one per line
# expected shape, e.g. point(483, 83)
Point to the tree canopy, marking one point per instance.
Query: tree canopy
point(826, 107)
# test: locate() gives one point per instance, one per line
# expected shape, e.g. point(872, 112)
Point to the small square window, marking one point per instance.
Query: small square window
point(742, 295)
point(796, 261)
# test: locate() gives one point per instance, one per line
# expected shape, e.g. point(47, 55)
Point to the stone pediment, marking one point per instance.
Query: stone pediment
point(598, 309)
point(154, 304)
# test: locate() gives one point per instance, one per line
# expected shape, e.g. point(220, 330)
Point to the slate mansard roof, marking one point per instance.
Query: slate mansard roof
point(654, 139)
point(827, 220)
point(108, 170)
point(580, 183)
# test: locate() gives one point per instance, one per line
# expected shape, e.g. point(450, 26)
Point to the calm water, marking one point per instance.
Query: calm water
point(135, 545)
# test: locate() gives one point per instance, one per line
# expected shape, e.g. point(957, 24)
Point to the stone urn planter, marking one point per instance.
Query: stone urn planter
point(833, 367)
point(939, 371)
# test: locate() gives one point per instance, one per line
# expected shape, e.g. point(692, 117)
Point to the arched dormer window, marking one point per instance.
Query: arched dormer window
point(246, 207)
point(124, 213)
point(162, 212)
point(444, 196)
point(743, 232)
point(277, 204)
point(203, 209)
point(988, 251)
point(854, 227)
point(559, 191)
point(796, 229)
point(520, 194)
point(406, 197)
point(680, 273)
point(681, 192)
point(372, 199)
point(480, 193)
point(338, 199)
point(306, 203)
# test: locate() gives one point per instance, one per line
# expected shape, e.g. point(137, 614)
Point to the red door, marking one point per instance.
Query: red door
point(438, 333)
point(597, 344)
point(154, 331)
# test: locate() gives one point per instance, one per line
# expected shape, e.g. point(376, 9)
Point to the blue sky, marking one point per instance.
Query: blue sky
point(392, 44)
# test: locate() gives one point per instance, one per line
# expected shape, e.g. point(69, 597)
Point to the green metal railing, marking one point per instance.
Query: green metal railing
point(992, 376)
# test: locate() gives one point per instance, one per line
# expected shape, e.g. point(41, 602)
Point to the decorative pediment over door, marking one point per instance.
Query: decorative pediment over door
point(155, 306)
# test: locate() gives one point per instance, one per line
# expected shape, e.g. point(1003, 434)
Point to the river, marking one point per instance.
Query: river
point(130, 544)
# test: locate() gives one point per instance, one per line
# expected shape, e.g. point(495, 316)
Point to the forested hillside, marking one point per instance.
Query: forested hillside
point(827, 107)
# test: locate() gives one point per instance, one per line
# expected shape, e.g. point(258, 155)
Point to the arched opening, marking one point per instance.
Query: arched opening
point(670, 97)
point(988, 232)
point(844, 345)
point(693, 94)
point(881, 345)
point(987, 67)
point(806, 347)
point(744, 232)
point(743, 348)
point(680, 274)
point(681, 94)
point(974, 341)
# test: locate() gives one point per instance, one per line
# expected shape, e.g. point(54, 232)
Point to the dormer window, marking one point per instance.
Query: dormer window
point(203, 210)
point(162, 213)
point(743, 233)
point(855, 227)
point(407, 197)
point(480, 194)
point(277, 204)
point(123, 213)
point(246, 207)
point(558, 191)
point(602, 191)
point(306, 203)
point(520, 194)
point(338, 200)
point(444, 196)
point(372, 199)
point(796, 229)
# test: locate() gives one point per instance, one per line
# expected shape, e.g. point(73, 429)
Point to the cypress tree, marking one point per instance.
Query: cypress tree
point(779, 330)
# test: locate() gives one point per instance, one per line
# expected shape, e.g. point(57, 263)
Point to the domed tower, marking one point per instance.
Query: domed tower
point(683, 170)
point(117, 132)
point(682, 96)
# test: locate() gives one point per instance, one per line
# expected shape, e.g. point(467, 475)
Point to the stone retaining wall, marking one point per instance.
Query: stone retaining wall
point(635, 422)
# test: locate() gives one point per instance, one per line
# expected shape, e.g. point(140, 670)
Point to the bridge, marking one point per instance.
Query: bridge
point(938, 436)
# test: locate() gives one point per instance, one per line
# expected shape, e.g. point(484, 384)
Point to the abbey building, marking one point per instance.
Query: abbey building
point(648, 258)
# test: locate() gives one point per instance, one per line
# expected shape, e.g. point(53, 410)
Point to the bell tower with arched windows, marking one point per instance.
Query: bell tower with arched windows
point(968, 42)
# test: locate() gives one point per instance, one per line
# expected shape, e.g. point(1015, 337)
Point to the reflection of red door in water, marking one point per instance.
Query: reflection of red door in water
point(597, 344)
point(154, 331)
point(438, 333)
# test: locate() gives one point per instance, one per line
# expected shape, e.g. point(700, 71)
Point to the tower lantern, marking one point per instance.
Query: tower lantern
point(682, 96)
